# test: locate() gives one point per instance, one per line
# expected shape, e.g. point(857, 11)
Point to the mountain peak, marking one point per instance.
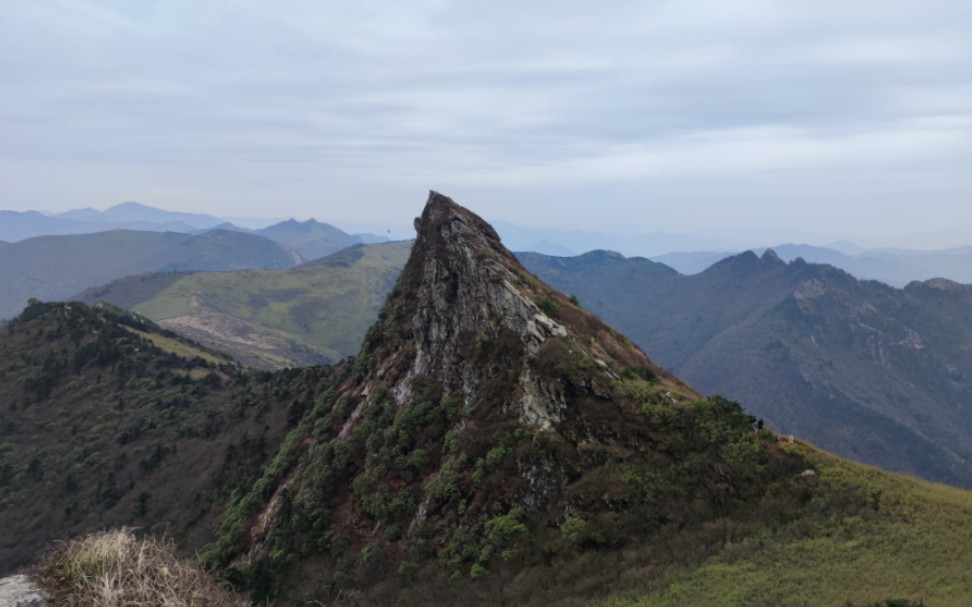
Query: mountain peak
point(770, 256)
point(440, 209)
point(130, 205)
point(463, 292)
point(486, 410)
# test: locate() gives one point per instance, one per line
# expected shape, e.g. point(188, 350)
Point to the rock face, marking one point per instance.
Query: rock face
point(461, 293)
point(485, 412)
point(19, 591)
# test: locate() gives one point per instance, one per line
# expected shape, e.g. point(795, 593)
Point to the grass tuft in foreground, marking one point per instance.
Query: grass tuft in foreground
point(115, 568)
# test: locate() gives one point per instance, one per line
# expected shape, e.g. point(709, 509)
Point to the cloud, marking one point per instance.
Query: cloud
point(322, 99)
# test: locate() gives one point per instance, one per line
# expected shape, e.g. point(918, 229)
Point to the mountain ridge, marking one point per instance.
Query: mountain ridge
point(704, 326)
point(136, 212)
point(895, 267)
point(311, 239)
point(314, 313)
point(492, 443)
point(808, 347)
point(484, 404)
point(56, 267)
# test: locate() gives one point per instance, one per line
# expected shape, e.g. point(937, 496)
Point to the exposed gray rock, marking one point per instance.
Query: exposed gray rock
point(20, 591)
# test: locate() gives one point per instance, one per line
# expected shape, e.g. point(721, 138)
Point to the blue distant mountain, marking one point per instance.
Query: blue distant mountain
point(20, 225)
point(896, 267)
point(136, 212)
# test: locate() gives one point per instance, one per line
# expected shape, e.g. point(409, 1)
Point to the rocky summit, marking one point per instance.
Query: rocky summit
point(491, 430)
point(461, 296)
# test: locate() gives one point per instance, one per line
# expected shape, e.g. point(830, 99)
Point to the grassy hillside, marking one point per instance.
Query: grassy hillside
point(56, 267)
point(130, 291)
point(271, 319)
point(912, 540)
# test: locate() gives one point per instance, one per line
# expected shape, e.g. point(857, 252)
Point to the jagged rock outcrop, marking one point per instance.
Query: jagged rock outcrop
point(468, 292)
point(485, 412)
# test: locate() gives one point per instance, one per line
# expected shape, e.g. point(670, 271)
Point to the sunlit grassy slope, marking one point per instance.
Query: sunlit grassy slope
point(314, 313)
point(914, 542)
point(178, 347)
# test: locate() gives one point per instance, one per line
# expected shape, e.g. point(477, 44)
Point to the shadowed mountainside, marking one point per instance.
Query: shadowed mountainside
point(878, 374)
point(107, 420)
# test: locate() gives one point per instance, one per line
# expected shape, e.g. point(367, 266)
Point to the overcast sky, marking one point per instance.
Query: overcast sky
point(813, 119)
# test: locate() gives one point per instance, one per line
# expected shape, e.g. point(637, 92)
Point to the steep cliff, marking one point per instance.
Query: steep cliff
point(491, 425)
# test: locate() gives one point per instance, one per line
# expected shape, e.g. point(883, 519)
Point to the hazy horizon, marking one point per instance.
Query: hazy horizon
point(743, 119)
point(576, 241)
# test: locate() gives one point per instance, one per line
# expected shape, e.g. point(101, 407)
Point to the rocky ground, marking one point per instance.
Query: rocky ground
point(19, 591)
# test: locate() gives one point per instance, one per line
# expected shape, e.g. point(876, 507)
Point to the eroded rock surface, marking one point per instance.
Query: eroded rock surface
point(20, 591)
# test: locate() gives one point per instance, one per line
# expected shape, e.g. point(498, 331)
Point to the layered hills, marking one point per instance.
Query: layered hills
point(492, 443)
point(21, 225)
point(315, 313)
point(56, 267)
point(875, 373)
point(15, 225)
point(496, 444)
point(132, 212)
point(86, 248)
point(871, 372)
point(896, 267)
point(311, 239)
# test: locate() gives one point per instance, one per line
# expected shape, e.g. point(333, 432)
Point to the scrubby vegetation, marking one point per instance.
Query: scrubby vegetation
point(907, 540)
point(118, 569)
point(107, 420)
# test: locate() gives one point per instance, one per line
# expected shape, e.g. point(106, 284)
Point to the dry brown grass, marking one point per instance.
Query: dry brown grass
point(117, 569)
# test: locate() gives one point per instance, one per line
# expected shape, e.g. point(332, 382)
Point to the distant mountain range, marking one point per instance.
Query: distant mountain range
point(20, 225)
point(686, 253)
point(492, 443)
point(16, 226)
point(879, 374)
point(565, 243)
point(312, 314)
point(896, 267)
point(873, 372)
point(132, 212)
point(58, 266)
point(690, 254)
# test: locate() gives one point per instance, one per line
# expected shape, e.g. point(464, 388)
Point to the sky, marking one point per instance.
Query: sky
point(765, 120)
